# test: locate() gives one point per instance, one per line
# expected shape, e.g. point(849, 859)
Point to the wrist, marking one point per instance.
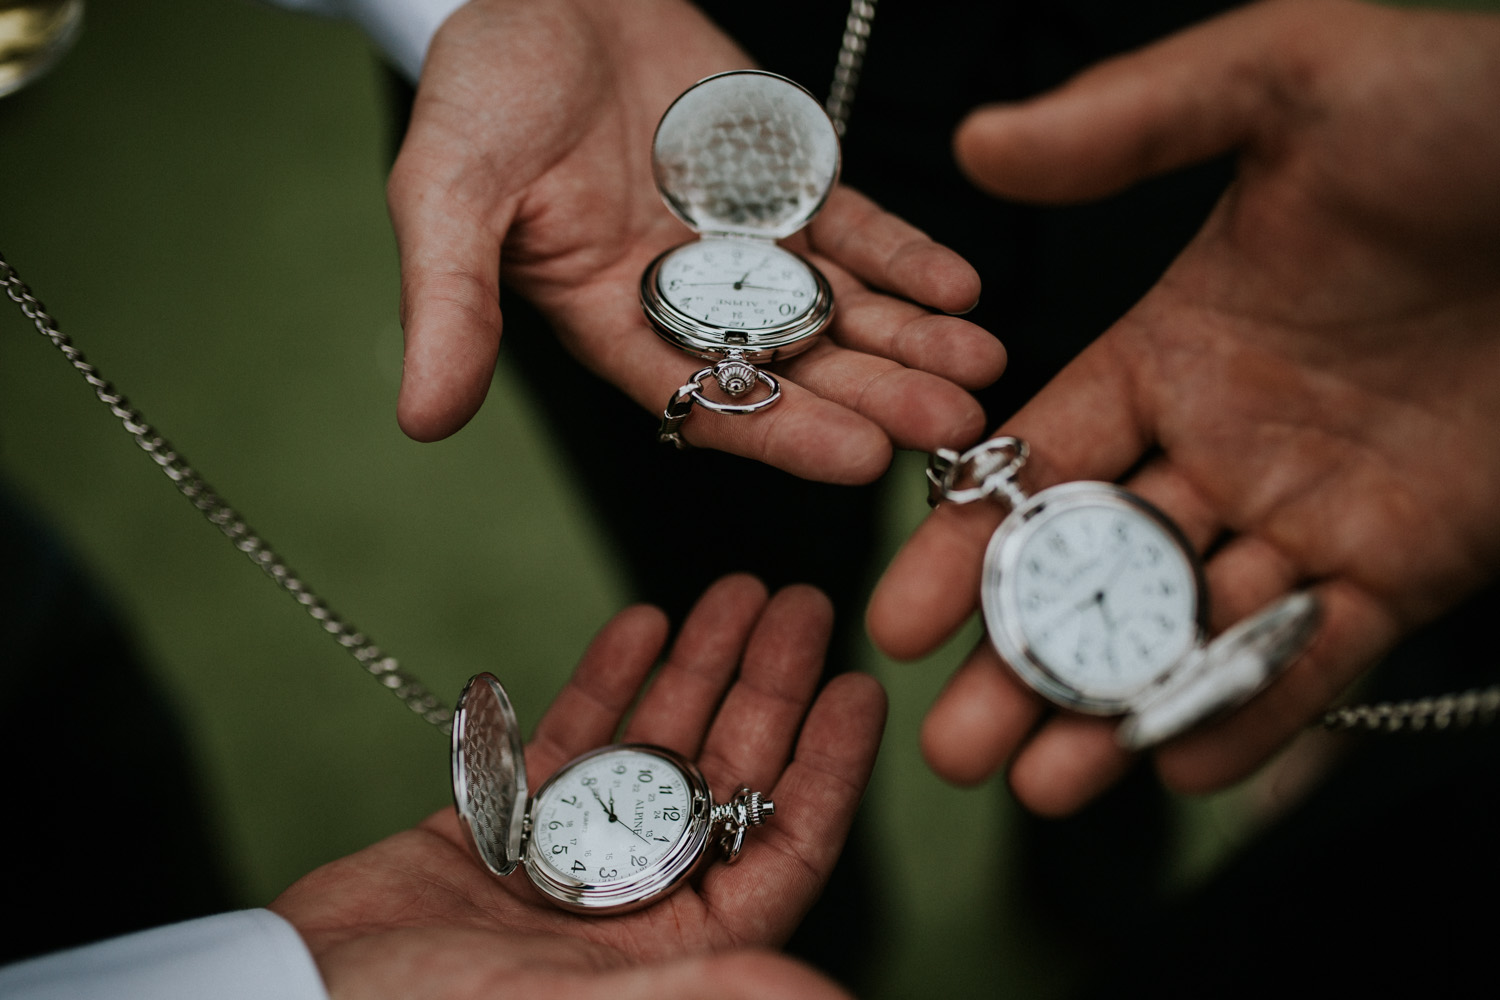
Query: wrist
point(402, 29)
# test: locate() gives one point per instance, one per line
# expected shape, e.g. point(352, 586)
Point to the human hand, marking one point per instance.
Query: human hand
point(417, 913)
point(528, 156)
point(1310, 390)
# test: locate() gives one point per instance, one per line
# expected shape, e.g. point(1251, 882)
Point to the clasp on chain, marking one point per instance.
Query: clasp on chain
point(985, 470)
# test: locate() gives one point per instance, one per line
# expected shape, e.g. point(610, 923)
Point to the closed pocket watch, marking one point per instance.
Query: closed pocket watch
point(613, 830)
point(1095, 600)
point(744, 159)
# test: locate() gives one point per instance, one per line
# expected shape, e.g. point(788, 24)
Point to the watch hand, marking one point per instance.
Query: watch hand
point(741, 283)
point(609, 811)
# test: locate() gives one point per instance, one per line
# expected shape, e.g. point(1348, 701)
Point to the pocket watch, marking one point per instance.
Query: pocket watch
point(1096, 600)
point(744, 158)
point(613, 830)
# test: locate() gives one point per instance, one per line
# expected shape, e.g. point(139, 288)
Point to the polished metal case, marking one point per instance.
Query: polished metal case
point(1003, 614)
point(744, 155)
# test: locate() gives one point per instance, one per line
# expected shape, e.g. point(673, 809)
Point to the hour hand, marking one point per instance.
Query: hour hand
point(608, 809)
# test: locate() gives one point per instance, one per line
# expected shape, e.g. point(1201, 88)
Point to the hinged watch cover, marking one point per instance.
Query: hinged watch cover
point(745, 153)
point(489, 774)
point(1226, 672)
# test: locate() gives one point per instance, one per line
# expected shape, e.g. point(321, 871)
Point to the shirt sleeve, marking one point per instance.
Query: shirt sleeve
point(246, 955)
point(401, 28)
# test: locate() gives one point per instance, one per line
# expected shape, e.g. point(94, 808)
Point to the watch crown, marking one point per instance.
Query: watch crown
point(758, 808)
point(735, 377)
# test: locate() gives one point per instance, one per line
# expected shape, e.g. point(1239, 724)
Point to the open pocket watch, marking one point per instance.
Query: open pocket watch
point(613, 830)
point(1095, 600)
point(744, 158)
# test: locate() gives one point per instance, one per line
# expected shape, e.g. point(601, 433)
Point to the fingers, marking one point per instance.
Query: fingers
point(887, 253)
point(1186, 99)
point(450, 293)
point(979, 721)
point(587, 712)
point(878, 324)
point(785, 867)
point(913, 409)
point(753, 733)
point(932, 586)
point(685, 696)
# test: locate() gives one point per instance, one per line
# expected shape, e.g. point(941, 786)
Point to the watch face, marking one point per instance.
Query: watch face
point(617, 827)
point(1091, 595)
point(739, 285)
point(608, 817)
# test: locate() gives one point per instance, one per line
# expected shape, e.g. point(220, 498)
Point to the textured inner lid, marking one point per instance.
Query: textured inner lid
point(746, 152)
point(489, 773)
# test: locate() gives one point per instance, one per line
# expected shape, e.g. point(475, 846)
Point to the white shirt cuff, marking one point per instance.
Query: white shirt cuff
point(401, 28)
point(246, 955)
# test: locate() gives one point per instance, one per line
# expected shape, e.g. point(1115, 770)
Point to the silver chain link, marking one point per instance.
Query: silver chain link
point(383, 668)
point(851, 61)
point(1449, 711)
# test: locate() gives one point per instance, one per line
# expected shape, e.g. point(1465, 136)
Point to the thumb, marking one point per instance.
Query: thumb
point(1185, 99)
point(450, 297)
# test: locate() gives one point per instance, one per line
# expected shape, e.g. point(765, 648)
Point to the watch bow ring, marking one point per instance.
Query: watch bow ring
point(744, 159)
point(1096, 600)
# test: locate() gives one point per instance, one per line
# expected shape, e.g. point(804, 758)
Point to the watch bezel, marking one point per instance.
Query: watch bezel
point(1001, 605)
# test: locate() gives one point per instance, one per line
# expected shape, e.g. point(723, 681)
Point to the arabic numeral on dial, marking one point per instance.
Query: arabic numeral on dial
point(577, 866)
point(665, 789)
point(619, 768)
point(609, 873)
point(589, 782)
point(671, 813)
point(786, 309)
point(559, 848)
point(644, 777)
point(639, 862)
point(571, 800)
point(554, 825)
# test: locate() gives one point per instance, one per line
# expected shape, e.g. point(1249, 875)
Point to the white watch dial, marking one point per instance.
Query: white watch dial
point(610, 817)
point(737, 284)
point(1105, 598)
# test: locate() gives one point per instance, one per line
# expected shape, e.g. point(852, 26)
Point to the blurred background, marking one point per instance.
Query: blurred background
point(196, 193)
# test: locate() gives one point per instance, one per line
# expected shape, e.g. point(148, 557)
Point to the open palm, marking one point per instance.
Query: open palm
point(1310, 390)
point(528, 157)
point(736, 694)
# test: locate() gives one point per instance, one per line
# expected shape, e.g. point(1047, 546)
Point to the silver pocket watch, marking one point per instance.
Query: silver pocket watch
point(1095, 600)
point(613, 830)
point(744, 158)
